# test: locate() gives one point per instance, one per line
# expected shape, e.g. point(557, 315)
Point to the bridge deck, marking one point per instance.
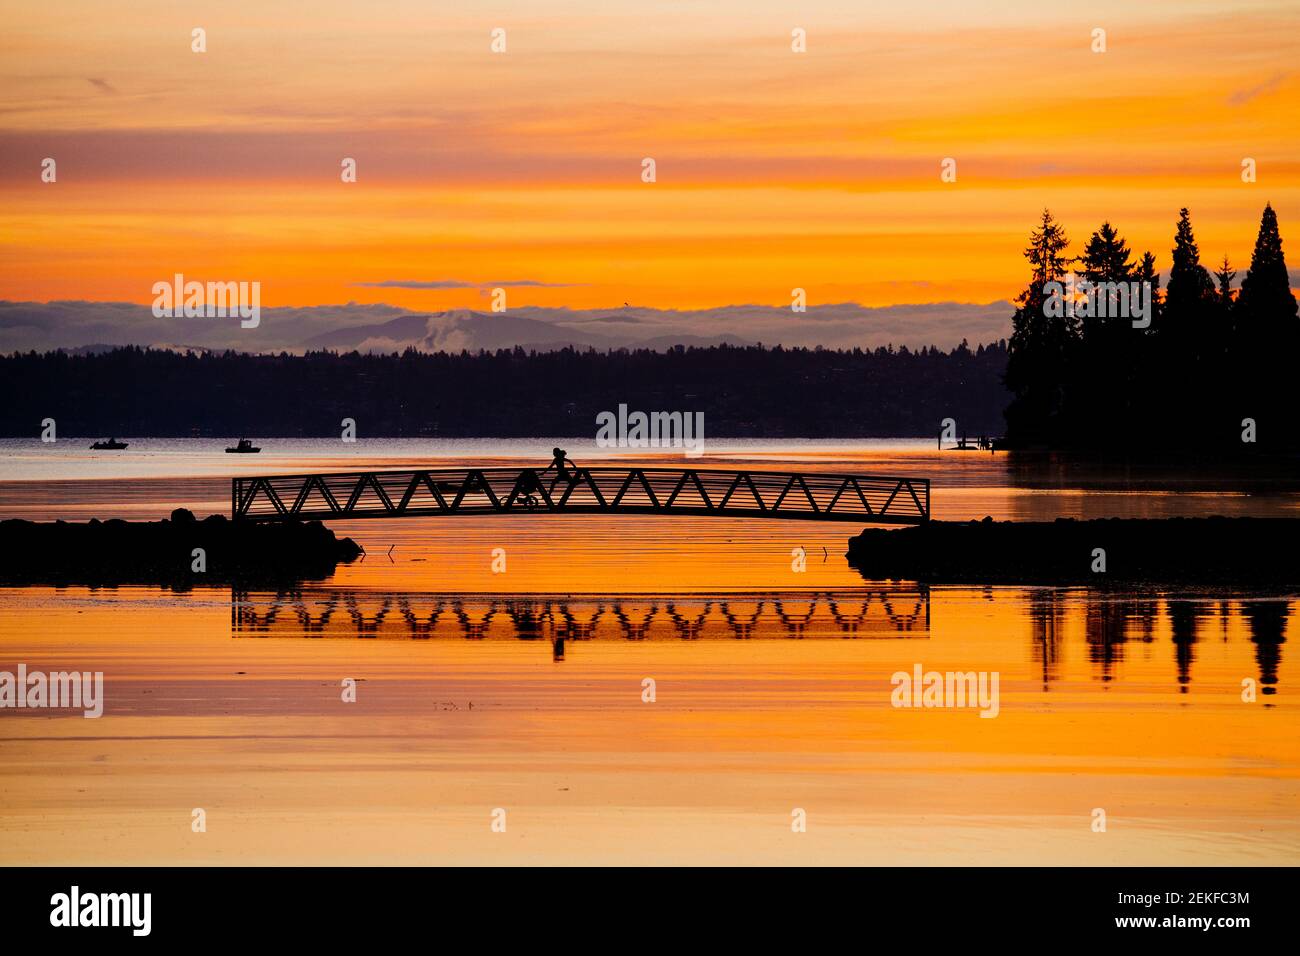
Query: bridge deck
point(677, 491)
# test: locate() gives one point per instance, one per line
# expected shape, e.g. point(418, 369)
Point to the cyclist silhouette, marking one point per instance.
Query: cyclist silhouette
point(561, 473)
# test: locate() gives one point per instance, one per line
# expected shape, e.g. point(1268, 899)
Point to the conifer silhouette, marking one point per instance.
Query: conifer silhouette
point(1208, 361)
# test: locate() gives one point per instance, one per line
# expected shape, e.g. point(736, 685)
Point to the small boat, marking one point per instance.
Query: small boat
point(111, 445)
point(244, 447)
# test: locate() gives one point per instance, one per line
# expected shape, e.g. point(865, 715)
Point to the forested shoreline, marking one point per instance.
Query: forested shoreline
point(1209, 369)
point(751, 391)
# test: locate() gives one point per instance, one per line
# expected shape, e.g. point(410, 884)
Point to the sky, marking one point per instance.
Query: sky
point(775, 170)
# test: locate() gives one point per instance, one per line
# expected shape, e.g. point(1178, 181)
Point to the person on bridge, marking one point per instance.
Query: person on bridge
point(561, 474)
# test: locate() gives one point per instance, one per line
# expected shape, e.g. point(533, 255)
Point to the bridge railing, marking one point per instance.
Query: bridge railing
point(889, 611)
point(681, 491)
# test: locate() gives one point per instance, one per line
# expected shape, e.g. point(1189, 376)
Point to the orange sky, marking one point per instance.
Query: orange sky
point(775, 169)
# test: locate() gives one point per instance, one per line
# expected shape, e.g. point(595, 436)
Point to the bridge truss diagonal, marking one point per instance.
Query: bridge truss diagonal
point(450, 492)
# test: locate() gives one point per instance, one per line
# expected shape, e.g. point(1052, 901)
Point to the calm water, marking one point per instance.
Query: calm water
point(525, 690)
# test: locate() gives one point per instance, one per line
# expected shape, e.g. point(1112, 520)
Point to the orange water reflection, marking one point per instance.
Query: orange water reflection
point(523, 689)
point(1130, 703)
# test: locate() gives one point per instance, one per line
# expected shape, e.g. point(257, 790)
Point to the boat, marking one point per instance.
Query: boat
point(111, 445)
point(244, 447)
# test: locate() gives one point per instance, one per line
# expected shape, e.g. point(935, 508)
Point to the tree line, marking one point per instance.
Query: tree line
point(751, 391)
point(1210, 370)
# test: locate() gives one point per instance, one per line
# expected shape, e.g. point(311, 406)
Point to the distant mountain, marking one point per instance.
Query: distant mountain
point(466, 330)
point(401, 329)
point(377, 327)
point(462, 329)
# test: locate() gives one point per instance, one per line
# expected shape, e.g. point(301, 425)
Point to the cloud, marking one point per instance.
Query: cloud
point(460, 284)
point(838, 325)
point(102, 85)
point(533, 283)
point(1242, 97)
point(76, 324)
point(419, 284)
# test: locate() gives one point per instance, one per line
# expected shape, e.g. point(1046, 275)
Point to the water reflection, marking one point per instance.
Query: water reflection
point(1267, 620)
point(889, 612)
point(1064, 485)
point(1102, 627)
point(1046, 614)
point(1111, 622)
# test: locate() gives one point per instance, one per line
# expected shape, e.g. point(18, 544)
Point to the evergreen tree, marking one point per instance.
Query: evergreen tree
point(1225, 275)
point(1041, 345)
point(1145, 385)
point(1190, 348)
point(1106, 256)
point(1190, 285)
point(1266, 291)
point(1101, 387)
point(1147, 272)
point(1265, 339)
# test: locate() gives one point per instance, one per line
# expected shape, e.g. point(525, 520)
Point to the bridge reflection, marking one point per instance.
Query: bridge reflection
point(876, 613)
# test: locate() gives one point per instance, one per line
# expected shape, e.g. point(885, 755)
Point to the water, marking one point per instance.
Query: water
point(526, 691)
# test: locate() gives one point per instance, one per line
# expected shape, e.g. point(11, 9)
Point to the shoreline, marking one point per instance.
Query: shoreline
point(180, 552)
point(1156, 551)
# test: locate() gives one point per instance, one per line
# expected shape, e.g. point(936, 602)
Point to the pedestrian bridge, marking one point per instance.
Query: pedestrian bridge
point(699, 492)
point(880, 612)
